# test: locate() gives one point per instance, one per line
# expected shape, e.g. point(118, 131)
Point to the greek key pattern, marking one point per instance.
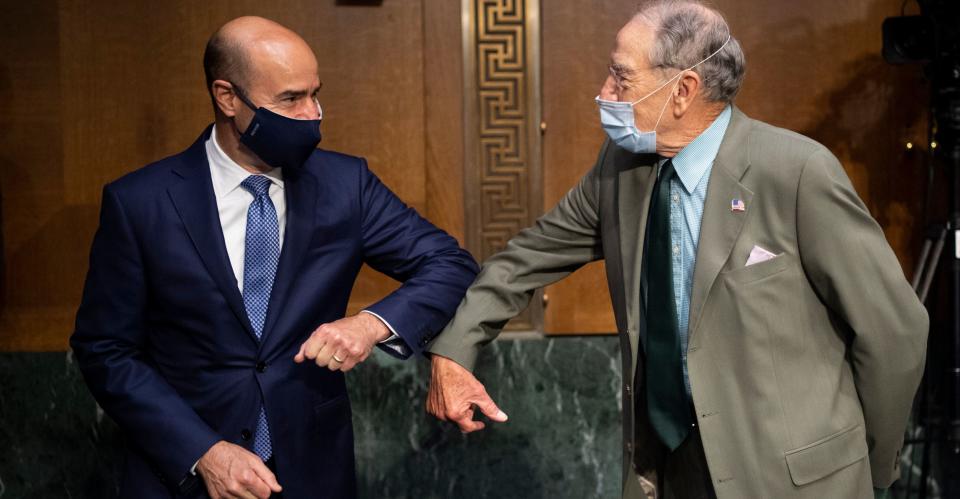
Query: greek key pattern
point(501, 88)
point(503, 183)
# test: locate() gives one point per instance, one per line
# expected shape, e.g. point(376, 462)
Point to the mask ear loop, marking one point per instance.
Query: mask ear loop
point(677, 76)
point(243, 98)
point(705, 59)
point(664, 108)
point(634, 103)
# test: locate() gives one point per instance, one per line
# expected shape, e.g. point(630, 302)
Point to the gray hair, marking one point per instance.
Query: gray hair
point(688, 32)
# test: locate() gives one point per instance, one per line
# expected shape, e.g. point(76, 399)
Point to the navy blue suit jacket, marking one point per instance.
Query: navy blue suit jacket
point(164, 343)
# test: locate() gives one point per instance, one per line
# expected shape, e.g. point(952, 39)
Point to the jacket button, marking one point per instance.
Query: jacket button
point(628, 389)
point(629, 448)
point(261, 366)
point(245, 435)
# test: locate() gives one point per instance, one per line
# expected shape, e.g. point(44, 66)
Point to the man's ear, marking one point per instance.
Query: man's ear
point(688, 89)
point(225, 97)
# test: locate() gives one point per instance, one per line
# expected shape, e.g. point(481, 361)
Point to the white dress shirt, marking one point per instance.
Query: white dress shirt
point(233, 202)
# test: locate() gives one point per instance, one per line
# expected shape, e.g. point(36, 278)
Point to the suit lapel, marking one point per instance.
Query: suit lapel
point(300, 191)
point(637, 177)
point(721, 226)
point(194, 200)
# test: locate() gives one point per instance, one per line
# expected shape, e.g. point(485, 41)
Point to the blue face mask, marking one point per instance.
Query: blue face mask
point(279, 141)
point(617, 118)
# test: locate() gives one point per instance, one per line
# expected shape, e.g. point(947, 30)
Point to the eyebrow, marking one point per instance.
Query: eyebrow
point(296, 94)
point(619, 69)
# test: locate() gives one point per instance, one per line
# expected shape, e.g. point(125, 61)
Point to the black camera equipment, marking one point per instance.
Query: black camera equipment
point(933, 39)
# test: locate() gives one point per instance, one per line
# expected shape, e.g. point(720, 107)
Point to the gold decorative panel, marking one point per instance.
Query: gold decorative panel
point(503, 185)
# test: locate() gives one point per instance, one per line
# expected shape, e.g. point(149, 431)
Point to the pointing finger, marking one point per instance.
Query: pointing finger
point(489, 408)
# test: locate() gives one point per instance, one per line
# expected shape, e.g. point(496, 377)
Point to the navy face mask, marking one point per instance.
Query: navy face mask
point(279, 141)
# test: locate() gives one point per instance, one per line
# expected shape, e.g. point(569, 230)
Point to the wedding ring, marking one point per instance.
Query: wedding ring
point(339, 360)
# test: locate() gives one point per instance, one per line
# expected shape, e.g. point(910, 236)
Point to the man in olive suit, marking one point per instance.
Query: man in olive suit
point(771, 346)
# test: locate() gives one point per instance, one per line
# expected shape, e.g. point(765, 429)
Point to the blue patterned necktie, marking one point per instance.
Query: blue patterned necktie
point(261, 254)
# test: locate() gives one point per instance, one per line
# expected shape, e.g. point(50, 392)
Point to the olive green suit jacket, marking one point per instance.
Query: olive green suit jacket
point(803, 367)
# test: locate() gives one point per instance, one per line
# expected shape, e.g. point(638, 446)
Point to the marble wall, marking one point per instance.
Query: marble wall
point(562, 439)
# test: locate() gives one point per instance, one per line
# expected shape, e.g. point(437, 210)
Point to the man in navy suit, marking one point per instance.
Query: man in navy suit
point(212, 270)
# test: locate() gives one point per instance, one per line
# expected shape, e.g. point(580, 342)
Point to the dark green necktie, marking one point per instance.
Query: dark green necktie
point(667, 403)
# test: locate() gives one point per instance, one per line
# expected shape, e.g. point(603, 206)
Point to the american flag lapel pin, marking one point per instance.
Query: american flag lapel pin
point(737, 205)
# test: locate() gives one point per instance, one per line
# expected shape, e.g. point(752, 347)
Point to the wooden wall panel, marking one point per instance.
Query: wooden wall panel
point(502, 160)
point(36, 225)
point(813, 67)
point(577, 38)
point(91, 90)
point(96, 89)
point(443, 114)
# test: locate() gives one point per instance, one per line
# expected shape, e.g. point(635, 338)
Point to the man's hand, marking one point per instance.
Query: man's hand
point(453, 394)
point(231, 471)
point(342, 344)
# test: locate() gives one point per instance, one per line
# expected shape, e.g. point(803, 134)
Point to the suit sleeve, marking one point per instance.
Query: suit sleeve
point(853, 269)
point(559, 242)
point(434, 269)
point(109, 343)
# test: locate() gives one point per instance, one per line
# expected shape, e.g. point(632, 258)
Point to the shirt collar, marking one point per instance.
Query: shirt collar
point(226, 174)
point(694, 160)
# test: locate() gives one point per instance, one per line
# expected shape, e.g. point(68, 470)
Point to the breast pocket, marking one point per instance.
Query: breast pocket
point(758, 271)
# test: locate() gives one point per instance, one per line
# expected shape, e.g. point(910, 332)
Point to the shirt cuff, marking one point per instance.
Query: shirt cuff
point(394, 345)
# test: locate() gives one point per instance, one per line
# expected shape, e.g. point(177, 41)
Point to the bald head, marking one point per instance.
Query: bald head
point(243, 50)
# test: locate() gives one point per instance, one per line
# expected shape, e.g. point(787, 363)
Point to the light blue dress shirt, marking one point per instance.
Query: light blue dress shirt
point(688, 190)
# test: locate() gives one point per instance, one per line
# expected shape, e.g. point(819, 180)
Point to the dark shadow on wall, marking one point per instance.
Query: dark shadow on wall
point(864, 113)
point(897, 98)
point(360, 3)
point(6, 103)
